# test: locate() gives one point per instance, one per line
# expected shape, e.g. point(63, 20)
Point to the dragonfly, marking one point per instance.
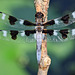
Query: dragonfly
point(17, 26)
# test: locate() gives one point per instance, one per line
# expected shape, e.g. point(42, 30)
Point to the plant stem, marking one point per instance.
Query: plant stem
point(42, 6)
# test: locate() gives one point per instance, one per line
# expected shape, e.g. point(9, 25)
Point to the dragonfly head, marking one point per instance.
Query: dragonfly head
point(39, 17)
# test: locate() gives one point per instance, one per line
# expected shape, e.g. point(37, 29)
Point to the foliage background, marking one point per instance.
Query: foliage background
point(20, 58)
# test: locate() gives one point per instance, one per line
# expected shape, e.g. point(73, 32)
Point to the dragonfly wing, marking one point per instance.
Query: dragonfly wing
point(60, 35)
point(18, 35)
point(61, 21)
point(9, 22)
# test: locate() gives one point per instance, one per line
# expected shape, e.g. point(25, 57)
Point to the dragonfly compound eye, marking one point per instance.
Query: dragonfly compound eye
point(39, 15)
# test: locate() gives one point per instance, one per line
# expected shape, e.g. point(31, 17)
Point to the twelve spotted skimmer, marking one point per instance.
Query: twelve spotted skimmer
point(15, 26)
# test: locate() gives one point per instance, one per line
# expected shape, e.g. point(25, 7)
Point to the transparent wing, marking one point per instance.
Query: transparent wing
point(61, 21)
point(20, 36)
point(60, 35)
point(8, 22)
point(52, 35)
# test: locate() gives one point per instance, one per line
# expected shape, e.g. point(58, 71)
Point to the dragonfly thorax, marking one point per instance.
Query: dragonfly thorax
point(39, 17)
point(39, 28)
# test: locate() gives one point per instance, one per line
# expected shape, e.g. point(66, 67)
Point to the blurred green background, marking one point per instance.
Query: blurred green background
point(20, 58)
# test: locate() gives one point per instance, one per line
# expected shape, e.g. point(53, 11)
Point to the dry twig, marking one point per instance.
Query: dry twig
point(42, 6)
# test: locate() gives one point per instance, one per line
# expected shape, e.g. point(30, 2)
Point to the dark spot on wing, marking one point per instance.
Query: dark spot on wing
point(29, 23)
point(13, 34)
point(28, 32)
point(0, 12)
point(44, 31)
point(50, 32)
point(12, 20)
point(64, 36)
point(65, 19)
point(64, 33)
point(51, 22)
point(39, 15)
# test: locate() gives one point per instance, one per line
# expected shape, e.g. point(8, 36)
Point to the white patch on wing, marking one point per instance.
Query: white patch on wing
point(56, 21)
point(55, 32)
point(73, 14)
point(21, 21)
point(22, 33)
point(73, 31)
point(3, 16)
point(4, 33)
